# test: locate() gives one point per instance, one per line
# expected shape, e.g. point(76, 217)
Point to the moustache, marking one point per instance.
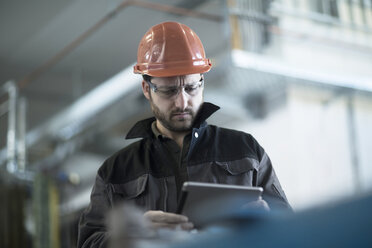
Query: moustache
point(179, 111)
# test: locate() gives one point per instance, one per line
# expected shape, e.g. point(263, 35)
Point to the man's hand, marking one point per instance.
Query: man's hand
point(160, 219)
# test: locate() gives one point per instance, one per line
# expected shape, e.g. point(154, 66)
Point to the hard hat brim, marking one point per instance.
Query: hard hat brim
point(173, 69)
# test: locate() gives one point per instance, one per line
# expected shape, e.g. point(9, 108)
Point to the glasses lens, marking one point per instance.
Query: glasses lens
point(172, 91)
point(168, 91)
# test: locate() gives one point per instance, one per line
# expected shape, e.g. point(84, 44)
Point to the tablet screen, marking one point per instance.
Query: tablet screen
point(202, 201)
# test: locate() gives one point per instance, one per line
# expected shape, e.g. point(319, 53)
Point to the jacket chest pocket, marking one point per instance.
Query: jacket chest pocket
point(132, 191)
point(238, 172)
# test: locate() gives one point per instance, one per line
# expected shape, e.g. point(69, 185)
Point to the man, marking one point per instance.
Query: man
point(177, 145)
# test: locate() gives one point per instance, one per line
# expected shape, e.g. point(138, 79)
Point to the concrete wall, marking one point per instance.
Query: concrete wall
point(309, 144)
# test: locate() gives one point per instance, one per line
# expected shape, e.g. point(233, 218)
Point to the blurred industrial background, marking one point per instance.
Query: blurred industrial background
point(297, 74)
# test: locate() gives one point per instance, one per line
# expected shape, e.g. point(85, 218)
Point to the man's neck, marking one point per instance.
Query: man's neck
point(176, 136)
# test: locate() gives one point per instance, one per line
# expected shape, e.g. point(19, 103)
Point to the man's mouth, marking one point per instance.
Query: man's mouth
point(181, 114)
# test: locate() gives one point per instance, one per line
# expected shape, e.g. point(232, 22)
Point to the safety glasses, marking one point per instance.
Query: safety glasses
point(172, 91)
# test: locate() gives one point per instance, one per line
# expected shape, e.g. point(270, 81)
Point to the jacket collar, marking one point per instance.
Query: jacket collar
point(142, 129)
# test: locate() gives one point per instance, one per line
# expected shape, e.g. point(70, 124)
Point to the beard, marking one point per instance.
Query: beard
point(176, 120)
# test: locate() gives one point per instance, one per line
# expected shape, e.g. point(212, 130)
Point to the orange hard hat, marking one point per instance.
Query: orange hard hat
point(171, 49)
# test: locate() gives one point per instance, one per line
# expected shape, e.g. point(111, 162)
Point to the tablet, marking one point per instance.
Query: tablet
point(201, 202)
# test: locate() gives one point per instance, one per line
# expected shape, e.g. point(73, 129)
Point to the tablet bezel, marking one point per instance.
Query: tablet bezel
point(210, 191)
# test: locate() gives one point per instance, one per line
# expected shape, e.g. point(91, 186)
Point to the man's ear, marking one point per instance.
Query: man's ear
point(146, 89)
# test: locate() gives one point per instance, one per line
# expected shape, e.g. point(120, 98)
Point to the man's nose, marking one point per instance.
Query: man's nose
point(181, 99)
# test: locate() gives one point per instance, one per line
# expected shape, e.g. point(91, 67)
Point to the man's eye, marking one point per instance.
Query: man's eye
point(171, 91)
point(191, 88)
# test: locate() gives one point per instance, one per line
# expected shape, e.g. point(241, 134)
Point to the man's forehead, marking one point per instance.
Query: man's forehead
point(177, 79)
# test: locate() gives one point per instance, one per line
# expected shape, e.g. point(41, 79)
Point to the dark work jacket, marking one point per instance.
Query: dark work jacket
point(135, 173)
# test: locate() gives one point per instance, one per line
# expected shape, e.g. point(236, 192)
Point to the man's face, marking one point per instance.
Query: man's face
point(175, 112)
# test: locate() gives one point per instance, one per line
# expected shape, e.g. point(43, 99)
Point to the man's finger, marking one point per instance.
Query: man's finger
point(164, 217)
point(187, 226)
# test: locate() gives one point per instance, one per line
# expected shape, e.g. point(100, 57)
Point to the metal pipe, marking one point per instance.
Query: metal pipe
point(14, 155)
point(177, 10)
point(21, 137)
point(67, 49)
point(350, 10)
point(11, 89)
point(11, 135)
point(70, 122)
point(353, 142)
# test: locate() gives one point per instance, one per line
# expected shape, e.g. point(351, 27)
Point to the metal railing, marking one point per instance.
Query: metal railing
point(249, 24)
point(349, 14)
point(253, 22)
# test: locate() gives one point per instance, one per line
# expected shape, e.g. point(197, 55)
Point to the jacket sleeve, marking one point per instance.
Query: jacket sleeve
point(267, 179)
point(92, 229)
